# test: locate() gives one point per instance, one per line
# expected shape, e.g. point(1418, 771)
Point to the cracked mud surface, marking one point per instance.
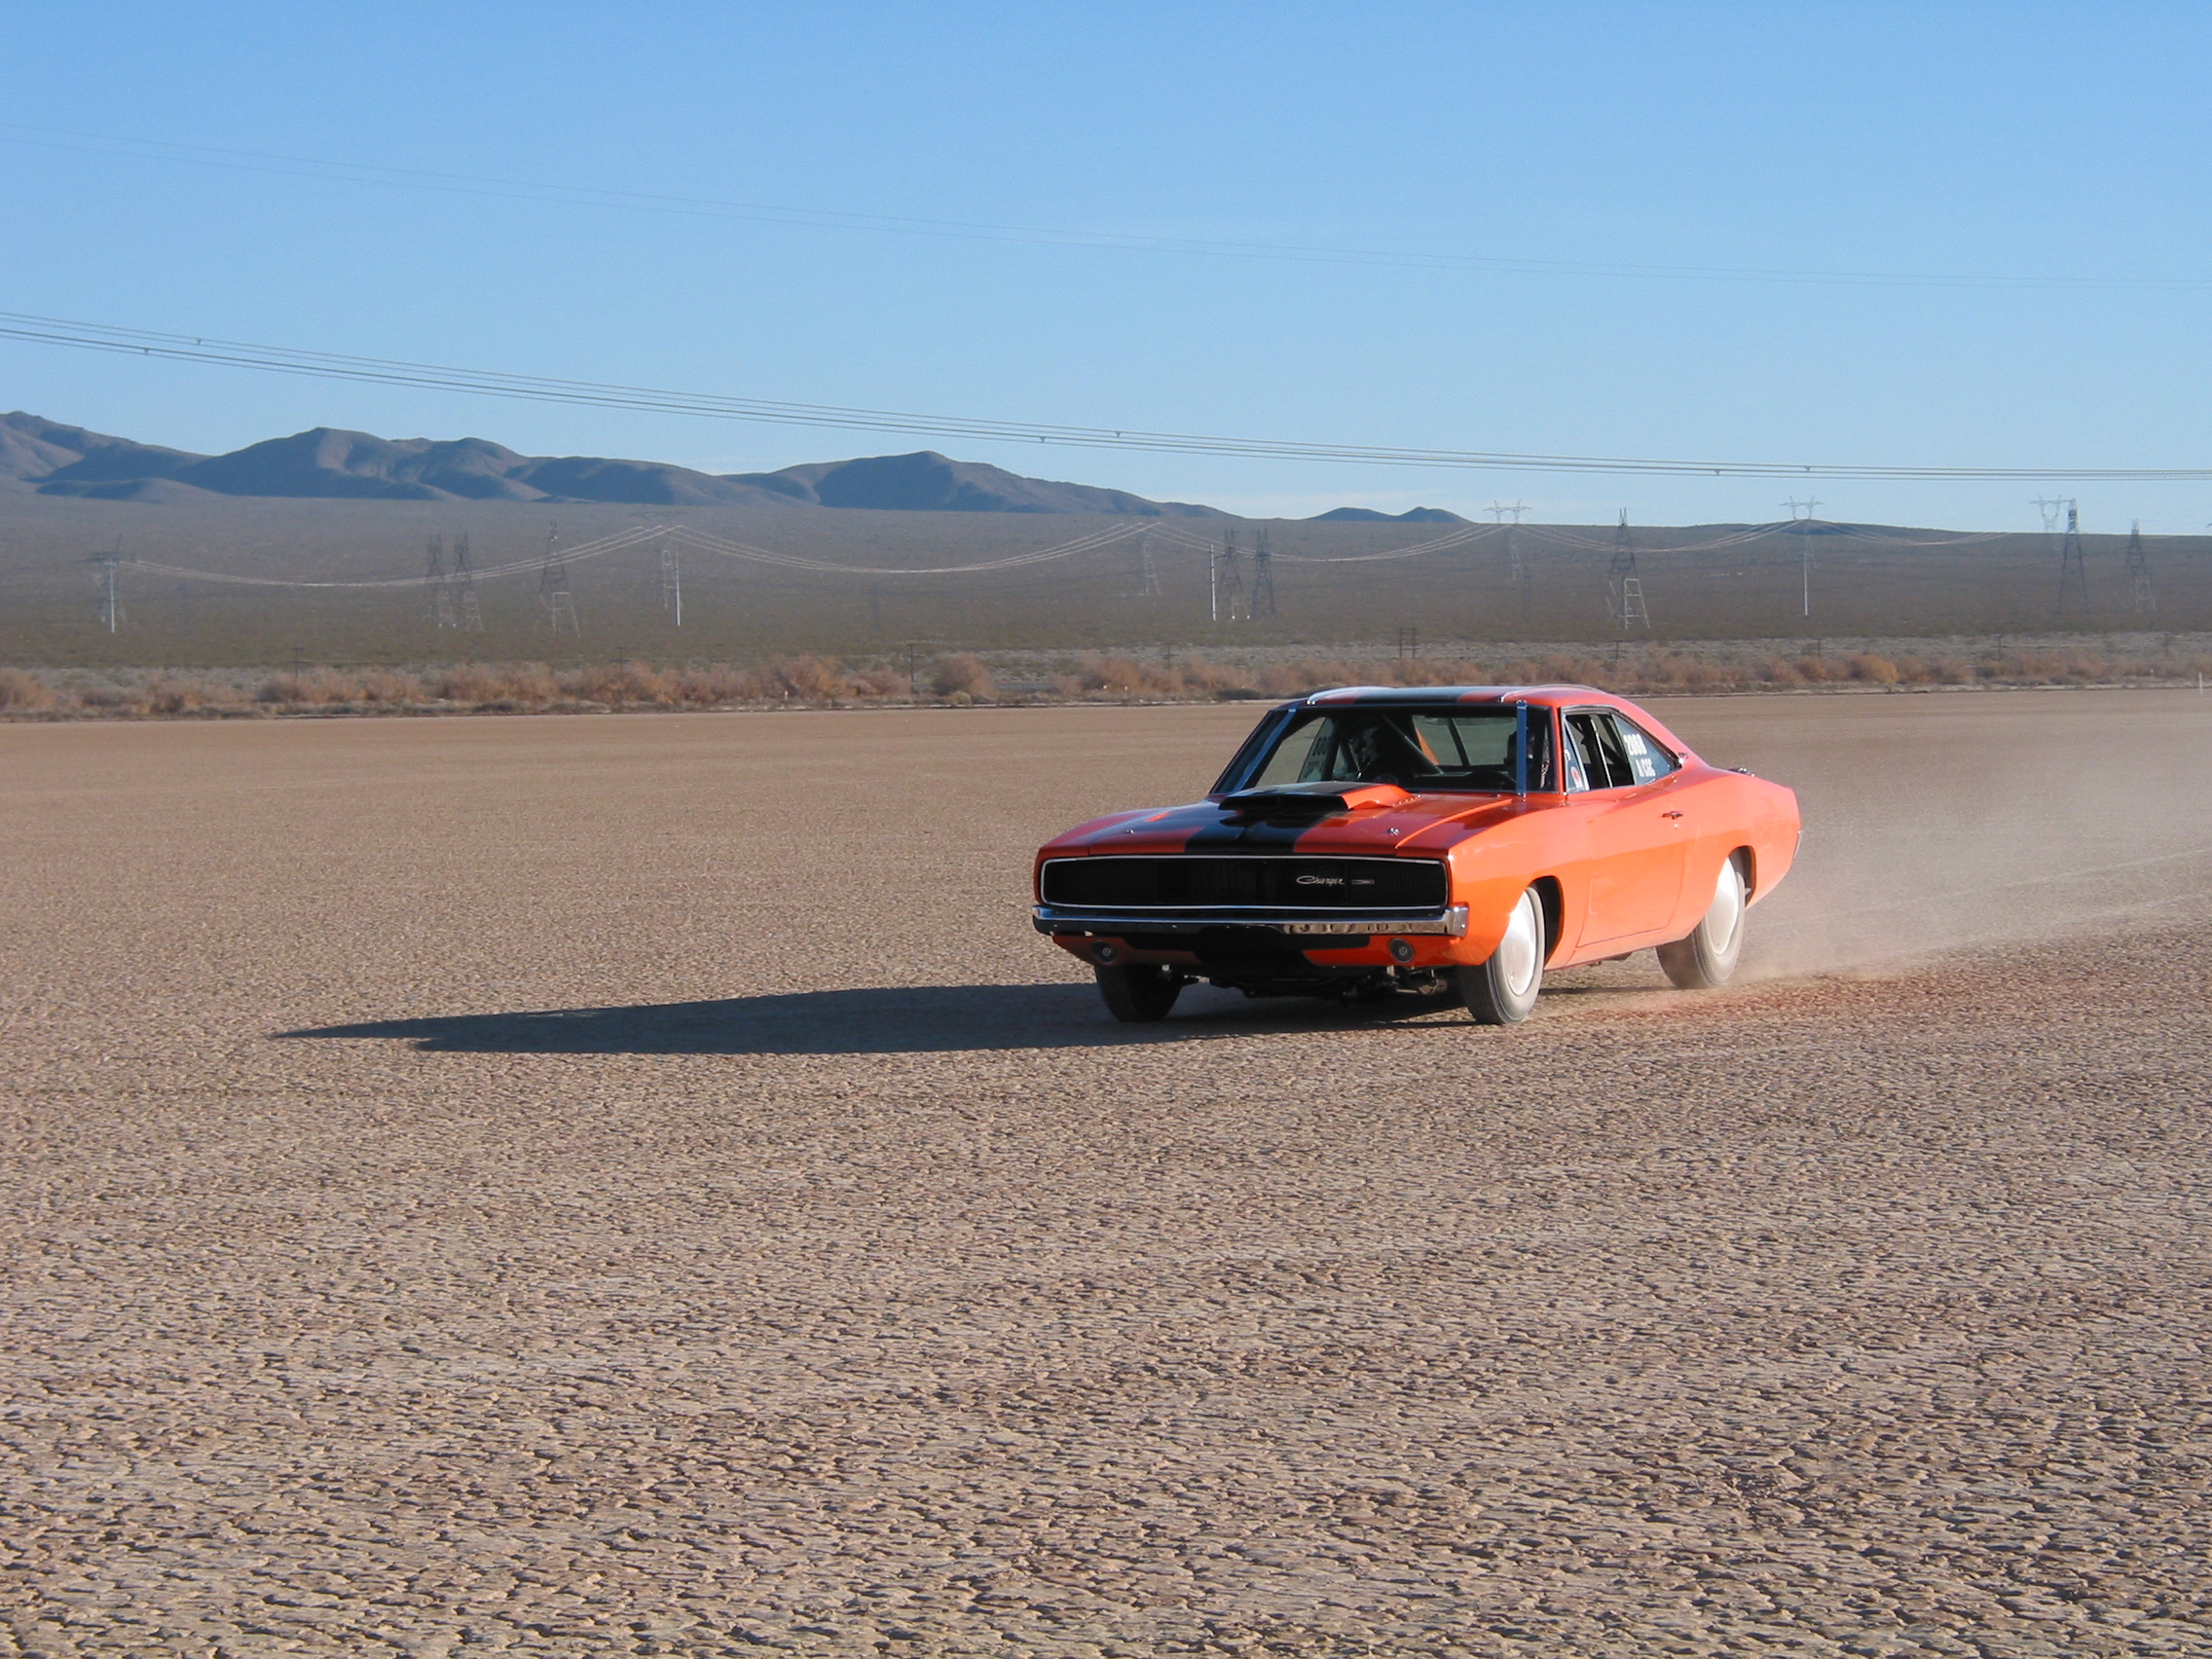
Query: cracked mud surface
point(636, 1186)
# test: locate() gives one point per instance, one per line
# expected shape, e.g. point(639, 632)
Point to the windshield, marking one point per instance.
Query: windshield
point(1415, 749)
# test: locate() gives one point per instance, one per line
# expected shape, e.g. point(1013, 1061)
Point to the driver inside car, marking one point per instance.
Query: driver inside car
point(1376, 752)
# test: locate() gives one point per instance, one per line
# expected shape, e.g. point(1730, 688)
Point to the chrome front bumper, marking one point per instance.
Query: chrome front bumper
point(1451, 922)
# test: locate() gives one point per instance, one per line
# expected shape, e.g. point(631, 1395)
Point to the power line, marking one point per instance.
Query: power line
point(1457, 539)
point(538, 389)
point(621, 539)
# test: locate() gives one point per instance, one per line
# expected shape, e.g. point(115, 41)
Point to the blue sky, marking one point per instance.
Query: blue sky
point(1959, 141)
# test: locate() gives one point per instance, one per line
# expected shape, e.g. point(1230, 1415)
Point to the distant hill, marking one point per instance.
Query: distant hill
point(44, 457)
point(928, 481)
point(35, 451)
point(1368, 515)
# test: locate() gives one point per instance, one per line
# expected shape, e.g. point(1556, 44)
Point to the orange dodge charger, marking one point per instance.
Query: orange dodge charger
point(1373, 840)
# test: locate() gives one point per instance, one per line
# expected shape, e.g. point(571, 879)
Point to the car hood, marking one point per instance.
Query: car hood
point(1421, 825)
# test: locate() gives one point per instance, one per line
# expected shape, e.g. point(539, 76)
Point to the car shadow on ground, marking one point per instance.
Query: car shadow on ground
point(870, 1020)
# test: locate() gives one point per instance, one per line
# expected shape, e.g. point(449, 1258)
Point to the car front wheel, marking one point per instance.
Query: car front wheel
point(1502, 991)
point(1139, 991)
point(1707, 957)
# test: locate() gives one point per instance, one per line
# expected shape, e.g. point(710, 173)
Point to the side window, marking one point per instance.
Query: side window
point(1597, 743)
point(1646, 760)
point(1583, 762)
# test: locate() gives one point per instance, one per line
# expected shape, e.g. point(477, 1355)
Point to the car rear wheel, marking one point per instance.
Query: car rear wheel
point(1707, 957)
point(1502, 991)
point(1139, 991)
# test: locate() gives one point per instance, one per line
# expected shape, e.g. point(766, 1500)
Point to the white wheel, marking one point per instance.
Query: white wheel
point(1502, 991)
point(1707, 957)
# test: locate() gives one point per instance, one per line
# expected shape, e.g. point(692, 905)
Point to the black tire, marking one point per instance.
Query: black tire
point(1139, 992)
point(1707, 959)
point(1502, 991)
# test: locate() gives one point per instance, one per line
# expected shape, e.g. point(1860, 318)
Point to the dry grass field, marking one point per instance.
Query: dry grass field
point(635, 1185)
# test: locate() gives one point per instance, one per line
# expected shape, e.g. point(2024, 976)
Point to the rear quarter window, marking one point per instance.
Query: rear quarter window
point(1647, 758)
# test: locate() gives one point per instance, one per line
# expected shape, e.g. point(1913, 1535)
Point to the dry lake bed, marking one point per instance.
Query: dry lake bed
point(636, 1185)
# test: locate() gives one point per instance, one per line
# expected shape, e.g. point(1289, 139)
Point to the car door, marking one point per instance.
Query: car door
point(1638, 838)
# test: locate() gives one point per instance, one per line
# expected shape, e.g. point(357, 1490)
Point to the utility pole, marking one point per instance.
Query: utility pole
point(2139, 594)
point(1801, 515)
point(103, 577)
point(1213, 582)
point(470, 616)
point(2073, 569)
point(1262, 580)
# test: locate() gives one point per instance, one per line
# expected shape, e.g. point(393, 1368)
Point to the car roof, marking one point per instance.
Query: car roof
point(1536, 696)
point(1546, 696)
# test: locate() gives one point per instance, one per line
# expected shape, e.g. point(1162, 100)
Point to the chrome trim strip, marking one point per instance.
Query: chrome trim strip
point(1451, 922)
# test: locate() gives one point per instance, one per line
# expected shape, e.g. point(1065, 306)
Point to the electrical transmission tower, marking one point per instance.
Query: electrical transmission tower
point(2073, 569)
point(1624, 588)
point(556, 605)
point(103, 577)
point(1499, 511)
point(1633, 612)
point(1516, 567)
point(437, 597)
point(1148, 577)
point(671, 581)
point(1230, 603)
point(469, 617)
point(1262, 580)
point(2139, 594)
point(1801, 515)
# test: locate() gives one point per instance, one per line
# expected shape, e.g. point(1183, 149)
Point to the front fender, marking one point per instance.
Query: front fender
point(1491, 872)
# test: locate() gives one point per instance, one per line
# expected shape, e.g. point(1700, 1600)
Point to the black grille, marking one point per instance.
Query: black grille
point(1196, 883)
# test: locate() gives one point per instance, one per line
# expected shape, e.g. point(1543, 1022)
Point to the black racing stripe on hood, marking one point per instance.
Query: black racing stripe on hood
point(1248, 835)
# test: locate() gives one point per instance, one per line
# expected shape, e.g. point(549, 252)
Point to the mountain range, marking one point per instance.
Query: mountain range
point(47, 458)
